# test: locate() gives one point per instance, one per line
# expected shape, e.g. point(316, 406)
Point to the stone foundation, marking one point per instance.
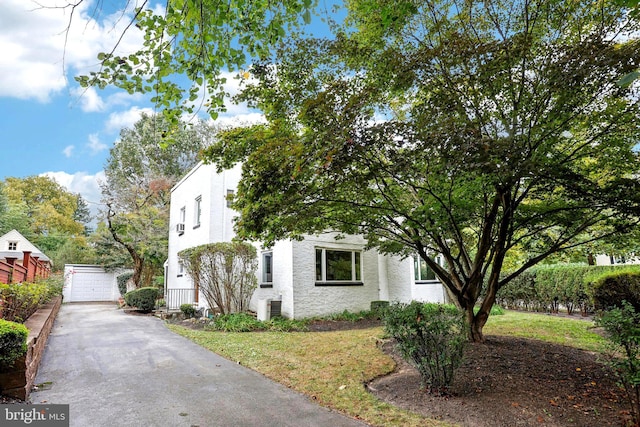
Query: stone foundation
point(18, 382)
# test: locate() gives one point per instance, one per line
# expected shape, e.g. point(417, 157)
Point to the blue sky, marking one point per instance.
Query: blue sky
point(48, 124)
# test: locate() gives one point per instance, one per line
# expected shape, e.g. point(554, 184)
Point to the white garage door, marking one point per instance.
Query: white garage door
point(91, 284)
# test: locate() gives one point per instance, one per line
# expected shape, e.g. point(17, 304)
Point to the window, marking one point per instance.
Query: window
point(230, 194)
point(183, 214)
point(197, 210)
point(338, 267)
point(422, 272)
point(13, 246)
point(267, 270)
point(180, 268)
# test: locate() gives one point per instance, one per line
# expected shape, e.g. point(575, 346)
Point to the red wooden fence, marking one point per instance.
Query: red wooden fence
point(30, 269)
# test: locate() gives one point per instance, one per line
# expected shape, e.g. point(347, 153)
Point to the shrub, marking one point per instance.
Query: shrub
point(348, 316)
point(21, 300)
point(379, 307)
point(431, 336)
point(188, 310)
point(144, 299)
point(237, 322)
point(622, 325)
point(225, 272)
point(610, 290)
point(548, 287)
point(122, 280)
point(13, 342)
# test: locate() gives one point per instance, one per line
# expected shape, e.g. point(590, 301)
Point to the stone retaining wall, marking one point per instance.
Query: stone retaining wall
point(19, 381)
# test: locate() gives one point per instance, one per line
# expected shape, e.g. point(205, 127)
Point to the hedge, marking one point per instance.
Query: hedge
point(610, 290)
point(547, 288)
point(21, 300)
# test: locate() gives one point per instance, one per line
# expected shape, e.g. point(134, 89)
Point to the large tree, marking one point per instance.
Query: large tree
point(139, 176)
point(466, 129)
point(51, 217)
point(50, 207)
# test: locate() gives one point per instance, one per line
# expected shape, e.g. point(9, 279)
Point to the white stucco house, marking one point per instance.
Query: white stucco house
point(306, 278)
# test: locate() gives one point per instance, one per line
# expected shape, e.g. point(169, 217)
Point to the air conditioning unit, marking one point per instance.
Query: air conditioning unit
point(180, 228)
point(268, 309)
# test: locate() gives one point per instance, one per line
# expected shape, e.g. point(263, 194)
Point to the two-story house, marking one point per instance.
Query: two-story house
point(314, 277)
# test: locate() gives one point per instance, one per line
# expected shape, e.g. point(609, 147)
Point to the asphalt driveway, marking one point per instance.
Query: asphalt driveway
point(115, 369)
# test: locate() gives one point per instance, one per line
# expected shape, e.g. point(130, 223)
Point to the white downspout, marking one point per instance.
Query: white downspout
point(383, 278)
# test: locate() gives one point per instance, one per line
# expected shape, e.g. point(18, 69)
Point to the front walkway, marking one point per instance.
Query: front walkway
point(115, 369)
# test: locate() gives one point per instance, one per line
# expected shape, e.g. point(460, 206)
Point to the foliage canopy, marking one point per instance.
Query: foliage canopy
point(467, 129)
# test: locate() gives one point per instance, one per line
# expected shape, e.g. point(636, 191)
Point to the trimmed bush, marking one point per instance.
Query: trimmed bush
point(547, 288)
point(144, 299)
point(431, 336)
point(122, 280)
point(13, 342)
point(188, 310)
point(610, 290)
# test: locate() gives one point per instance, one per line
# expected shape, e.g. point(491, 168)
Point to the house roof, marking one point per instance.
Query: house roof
point(24, 245)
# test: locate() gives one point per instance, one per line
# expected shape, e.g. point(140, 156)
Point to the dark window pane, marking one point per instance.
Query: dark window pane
point(339, 265)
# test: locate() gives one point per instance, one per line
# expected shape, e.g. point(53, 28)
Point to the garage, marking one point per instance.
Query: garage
point(89, 283)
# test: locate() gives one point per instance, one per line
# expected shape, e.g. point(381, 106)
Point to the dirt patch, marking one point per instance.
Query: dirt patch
point(513, 382)
point(322, 325)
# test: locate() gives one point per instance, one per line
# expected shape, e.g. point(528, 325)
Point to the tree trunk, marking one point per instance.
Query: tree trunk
point(475, 324)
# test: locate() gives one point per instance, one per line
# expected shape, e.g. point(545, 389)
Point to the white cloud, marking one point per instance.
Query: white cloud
point(89, 100)
point(95, 145)
point(238, 120)
point(125, 119)
point(88, 186)
point(36, 46)
point(68, 151)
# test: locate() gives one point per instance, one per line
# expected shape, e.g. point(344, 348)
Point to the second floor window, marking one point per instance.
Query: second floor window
point(230, 194)
point(197, 211)
point(13, 246)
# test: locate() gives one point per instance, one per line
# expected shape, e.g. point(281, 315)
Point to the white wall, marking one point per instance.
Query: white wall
point(216, 219)
point(311, 300)
point(282, 278)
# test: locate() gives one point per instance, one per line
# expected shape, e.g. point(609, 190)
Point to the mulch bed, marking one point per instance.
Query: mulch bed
point(513, 382)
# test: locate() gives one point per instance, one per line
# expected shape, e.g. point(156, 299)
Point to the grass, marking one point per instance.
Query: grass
point(331, 367)
point(576, 332)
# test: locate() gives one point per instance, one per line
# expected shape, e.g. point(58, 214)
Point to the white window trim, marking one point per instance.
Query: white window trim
point(264, 282)
point(197, 212)
point(355, 281)
point(416, 269)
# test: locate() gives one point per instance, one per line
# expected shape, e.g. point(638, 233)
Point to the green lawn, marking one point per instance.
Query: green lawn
point(572, 331)
point(332, 366)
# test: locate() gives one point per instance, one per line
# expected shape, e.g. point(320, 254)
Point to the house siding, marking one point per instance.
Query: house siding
point(312, 300)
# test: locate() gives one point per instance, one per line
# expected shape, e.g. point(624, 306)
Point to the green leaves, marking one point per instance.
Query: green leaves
point(192, 44)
